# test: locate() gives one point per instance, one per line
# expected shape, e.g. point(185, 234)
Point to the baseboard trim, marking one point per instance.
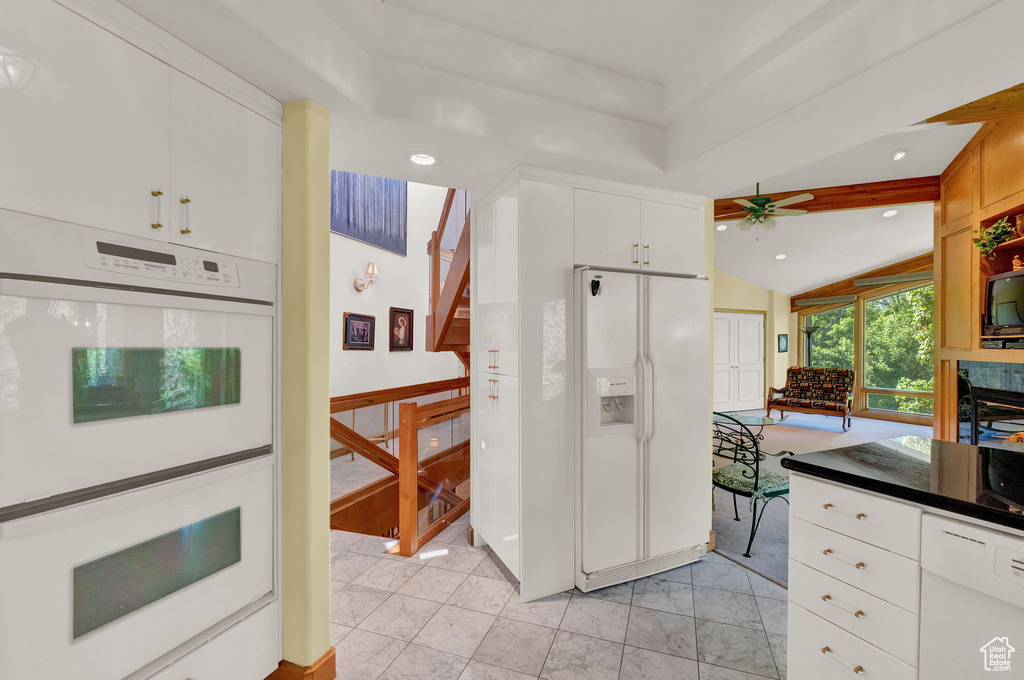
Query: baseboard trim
point(322, 669)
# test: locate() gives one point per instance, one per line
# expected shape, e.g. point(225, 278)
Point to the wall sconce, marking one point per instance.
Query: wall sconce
point(371, 276)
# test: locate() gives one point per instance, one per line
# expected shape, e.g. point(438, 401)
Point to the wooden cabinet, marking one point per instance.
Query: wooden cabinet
point(86, 121)
point(95, 126)
point(225, 160)
point(626, 232)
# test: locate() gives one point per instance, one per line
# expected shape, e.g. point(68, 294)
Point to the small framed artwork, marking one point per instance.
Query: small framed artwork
point(783, 342)
point(359, 331)
point(400, 335)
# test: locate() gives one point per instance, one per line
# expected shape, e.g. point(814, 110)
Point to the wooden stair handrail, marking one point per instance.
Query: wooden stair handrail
point(372, 452)
point(454, 287)
point(409, 537)
point(440, 411)
point(350, 402)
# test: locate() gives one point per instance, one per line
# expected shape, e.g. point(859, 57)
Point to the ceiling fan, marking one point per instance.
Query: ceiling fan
point(761, 210)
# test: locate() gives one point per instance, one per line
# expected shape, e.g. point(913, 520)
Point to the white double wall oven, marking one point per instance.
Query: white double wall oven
point(137, 464)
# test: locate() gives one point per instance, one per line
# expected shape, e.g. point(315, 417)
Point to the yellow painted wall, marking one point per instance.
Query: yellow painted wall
point(305, 317)
point(733, 293)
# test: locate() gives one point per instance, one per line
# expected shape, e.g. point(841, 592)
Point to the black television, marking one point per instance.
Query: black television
point(1004, 304)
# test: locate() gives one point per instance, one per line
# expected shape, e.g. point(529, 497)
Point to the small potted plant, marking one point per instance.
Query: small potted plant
point(996, 233)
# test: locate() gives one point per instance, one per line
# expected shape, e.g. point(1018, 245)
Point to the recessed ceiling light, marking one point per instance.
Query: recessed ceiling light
point(422, 159)
point(892, 212)
point(722, 227)
point(780, 256)
point(898, 154)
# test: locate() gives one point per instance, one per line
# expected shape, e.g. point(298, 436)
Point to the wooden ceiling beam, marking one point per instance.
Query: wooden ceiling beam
point(848, 196)
point(1006, 102)
point(921, 263)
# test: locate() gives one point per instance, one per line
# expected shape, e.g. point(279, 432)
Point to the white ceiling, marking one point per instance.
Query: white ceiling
point(822, 248)
point(930, 148)
point(704, 97)
point(646, 40)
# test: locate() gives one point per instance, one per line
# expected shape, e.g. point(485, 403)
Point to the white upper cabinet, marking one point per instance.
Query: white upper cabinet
point(86, 122)
point(226, 161)
point(625, 232)
point(671, 238)
point(496, 343)
point(93, 126)
point(607, 230)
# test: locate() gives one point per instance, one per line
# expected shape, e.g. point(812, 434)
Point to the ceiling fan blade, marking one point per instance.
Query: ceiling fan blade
point(786, 212)
point(732, 216)
point(744, 202)
point(799, 198)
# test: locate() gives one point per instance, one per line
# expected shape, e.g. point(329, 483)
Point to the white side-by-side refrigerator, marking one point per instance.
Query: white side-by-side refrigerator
point(643, 445)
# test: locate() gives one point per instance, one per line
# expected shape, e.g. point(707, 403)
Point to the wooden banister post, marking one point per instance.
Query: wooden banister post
point(408, 487)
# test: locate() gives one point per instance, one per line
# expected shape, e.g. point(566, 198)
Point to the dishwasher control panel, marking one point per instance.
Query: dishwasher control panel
point(156, 264)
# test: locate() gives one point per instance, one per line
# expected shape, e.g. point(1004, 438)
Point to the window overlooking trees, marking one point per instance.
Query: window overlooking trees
point(898, 349)
point(897, 353)
point(832, 343)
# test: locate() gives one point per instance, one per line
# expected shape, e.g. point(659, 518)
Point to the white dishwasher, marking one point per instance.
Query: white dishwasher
point(972, 602)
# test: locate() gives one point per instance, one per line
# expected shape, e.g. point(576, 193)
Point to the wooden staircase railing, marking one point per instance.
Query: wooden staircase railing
point(445, 332)
point(377, 507)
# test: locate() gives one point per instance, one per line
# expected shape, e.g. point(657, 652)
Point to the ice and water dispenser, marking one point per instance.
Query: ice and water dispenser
point(612, 400)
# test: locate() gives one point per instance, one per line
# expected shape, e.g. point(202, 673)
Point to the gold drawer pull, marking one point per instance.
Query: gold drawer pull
point(828, 600)
point(859, 515)
point(827, 651)
point(827, 552)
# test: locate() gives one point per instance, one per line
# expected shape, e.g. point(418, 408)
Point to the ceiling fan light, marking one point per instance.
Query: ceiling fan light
point(768, 222)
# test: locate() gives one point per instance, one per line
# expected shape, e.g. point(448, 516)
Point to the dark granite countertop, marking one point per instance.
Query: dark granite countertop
point(975, 481)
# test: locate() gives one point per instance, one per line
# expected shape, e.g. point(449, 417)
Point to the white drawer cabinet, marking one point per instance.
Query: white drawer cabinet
point(892, 577)
point(885, 523)
point(86, 121)
point(870, 618)
point(819, 650)
point(246, 650)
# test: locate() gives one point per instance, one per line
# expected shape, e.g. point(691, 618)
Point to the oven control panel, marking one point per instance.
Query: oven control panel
point(208, 270)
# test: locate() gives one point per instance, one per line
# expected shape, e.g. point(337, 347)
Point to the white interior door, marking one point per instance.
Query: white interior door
point(738, 375)
point(749, 390)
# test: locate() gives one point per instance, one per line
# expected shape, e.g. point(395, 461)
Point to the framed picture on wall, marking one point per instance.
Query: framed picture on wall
point(400, 333)
point(359, 331)
point(783, 342)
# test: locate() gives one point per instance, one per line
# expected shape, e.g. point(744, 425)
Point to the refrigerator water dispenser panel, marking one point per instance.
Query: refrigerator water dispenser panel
point(612, 401)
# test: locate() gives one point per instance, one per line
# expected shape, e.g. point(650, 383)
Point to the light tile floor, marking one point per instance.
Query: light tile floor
point(452, 612)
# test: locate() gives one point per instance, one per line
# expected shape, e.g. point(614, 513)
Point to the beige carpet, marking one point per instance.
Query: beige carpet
point(799, 433)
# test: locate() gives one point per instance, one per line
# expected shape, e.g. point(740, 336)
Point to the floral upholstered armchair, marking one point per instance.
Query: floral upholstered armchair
point(828, 391)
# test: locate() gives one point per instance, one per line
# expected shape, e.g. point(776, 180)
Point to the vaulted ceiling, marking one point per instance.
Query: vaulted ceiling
point(706, 97)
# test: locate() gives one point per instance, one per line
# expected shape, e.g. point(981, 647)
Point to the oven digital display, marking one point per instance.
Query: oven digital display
point(121, 382)
point(116, 585)
point(135, 253)
point(210, 266)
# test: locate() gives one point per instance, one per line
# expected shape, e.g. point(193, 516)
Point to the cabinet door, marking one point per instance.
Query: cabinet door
point(496, 467)
point(607, 230)
point(482, 263)
point(505, 313)
point(227, 161)
point(671, 238)
point(85, 121)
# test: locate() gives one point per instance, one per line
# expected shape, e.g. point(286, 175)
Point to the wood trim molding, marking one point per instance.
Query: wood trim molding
point(323, 668)
point(921, 263)
point(1006, 102)
point(849, 196)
